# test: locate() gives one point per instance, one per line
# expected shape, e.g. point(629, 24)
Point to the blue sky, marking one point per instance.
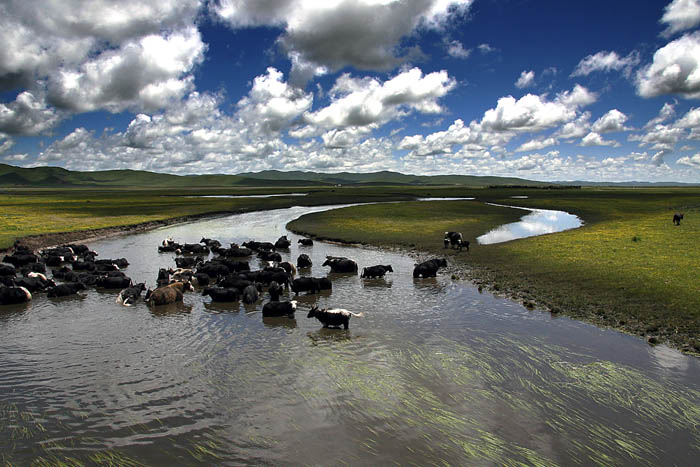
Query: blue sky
point(544, 90)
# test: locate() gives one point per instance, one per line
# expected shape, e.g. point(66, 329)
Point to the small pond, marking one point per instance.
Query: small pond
point(537, 222)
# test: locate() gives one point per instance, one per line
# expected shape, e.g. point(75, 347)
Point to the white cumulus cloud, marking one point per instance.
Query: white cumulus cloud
point(606, 61)
point(680, 15)
point(675, 69)
point(527, 79)
point(331, 35)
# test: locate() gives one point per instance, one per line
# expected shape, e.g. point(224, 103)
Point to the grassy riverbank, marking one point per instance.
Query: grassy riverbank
point(628, 268)
point(44, 212)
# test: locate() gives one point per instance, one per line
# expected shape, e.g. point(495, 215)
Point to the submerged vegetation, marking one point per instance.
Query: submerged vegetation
point(628, 267)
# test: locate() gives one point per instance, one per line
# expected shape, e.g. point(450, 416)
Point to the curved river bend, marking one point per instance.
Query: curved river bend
point(436, 372)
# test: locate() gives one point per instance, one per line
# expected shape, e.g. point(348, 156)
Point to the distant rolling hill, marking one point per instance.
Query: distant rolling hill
point(56, 177)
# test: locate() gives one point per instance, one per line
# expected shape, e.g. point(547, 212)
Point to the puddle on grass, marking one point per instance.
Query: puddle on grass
point(537, 222)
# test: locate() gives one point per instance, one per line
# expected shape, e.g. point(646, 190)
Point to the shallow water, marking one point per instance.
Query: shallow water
point(435, 372)
point(537, 222)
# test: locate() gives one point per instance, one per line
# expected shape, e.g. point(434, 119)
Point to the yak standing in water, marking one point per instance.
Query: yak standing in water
point(334, 317)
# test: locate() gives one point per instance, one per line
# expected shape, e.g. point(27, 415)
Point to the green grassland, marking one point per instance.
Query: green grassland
point(628, 267)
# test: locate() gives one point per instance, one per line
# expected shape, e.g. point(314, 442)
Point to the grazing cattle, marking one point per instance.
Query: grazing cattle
point(277, 309)
point(6, 270)
point(63, 290)
point(677, 219)
point(340, 264)
point(282, 243)
point(275, 290)
point(14, 295)
point(131, 295)
point(250, 294)
point(429, 268)
point(306, 241)
point(376, 271)
point(311, 284)
point(454, 239)
point(220, 294)
point(303, 261)
point(270, 256)
point(334, 317)
point(113, 282)
point(170, 293)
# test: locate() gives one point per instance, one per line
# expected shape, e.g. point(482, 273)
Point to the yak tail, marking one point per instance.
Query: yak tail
point(358, 315)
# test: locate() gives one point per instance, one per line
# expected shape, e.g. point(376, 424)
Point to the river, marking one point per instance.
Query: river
point(435, 372)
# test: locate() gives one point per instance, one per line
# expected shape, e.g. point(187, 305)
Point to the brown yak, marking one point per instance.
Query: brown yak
point(170, 293)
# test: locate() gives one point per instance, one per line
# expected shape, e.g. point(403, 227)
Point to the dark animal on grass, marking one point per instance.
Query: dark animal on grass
point(454, 239)
point(429, 268)
point(277, 309)
point(282, 243)
point(677, 219)
point(334, 317)
point(14, 295)
point(341, 264)
point(220, 294)
point(376, 271)
point(275, 290)
point(170, 293)
point(306, 241)
point(304, 261)
point(131, 295)
point(64, 290)
point(250, 294)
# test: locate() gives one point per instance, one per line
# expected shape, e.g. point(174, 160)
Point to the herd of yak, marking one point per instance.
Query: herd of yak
point(225, 277)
